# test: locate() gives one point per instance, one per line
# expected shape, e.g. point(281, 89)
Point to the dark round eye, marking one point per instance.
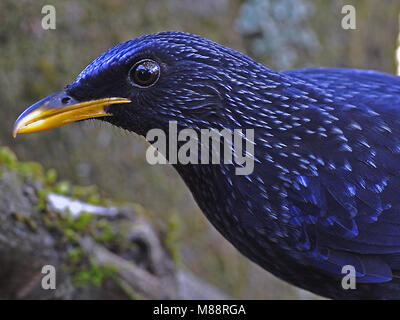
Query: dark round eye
point(144, 73)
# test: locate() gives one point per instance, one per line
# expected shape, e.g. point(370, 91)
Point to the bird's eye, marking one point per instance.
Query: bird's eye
point(144, 73)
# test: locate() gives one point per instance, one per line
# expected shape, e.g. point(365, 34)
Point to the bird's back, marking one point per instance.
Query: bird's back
point(345, 205)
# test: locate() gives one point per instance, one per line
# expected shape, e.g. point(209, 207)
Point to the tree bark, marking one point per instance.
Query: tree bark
point(132, 263)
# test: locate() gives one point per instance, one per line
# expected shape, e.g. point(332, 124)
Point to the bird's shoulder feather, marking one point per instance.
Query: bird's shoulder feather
point(348, 206)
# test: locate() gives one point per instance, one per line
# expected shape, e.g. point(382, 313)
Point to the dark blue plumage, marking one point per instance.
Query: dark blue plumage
point(325, 188)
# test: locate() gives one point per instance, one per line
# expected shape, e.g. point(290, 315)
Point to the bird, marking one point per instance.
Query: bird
point(321, 207)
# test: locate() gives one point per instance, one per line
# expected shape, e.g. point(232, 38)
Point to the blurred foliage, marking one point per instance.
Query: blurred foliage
point(281, 34)
point(304, 33)
point(261, 20)
point(68, 230)
point(94, 275)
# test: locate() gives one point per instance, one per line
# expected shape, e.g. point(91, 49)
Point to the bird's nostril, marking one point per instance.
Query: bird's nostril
point(65, 100)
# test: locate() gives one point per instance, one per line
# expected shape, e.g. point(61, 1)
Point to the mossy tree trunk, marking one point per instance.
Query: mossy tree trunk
point(97, 252)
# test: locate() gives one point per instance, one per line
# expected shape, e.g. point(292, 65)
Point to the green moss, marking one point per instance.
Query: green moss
point(75, 256)
point(172, 237)
point(104, 232)
point(86, 224)
point(88, 194)
point(51, 176)
point(32, 169)
point(42, 199)
point(31, 223)
point(70, 229)
point(24, 169)
point(79, 223)
point(7, 157)
point(26, 220)
point(71, 235)
point(94, 275)
point(87, 272)
point(63, 187)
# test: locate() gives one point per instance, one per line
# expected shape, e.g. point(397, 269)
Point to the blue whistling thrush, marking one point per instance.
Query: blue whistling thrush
point(324, 192)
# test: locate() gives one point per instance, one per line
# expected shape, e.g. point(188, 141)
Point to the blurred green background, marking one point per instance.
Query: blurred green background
point(281, 34)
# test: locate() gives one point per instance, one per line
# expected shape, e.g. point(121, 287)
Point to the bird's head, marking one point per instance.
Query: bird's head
point(144, 83)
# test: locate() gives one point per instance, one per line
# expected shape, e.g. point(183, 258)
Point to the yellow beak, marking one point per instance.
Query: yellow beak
point(60, 109)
